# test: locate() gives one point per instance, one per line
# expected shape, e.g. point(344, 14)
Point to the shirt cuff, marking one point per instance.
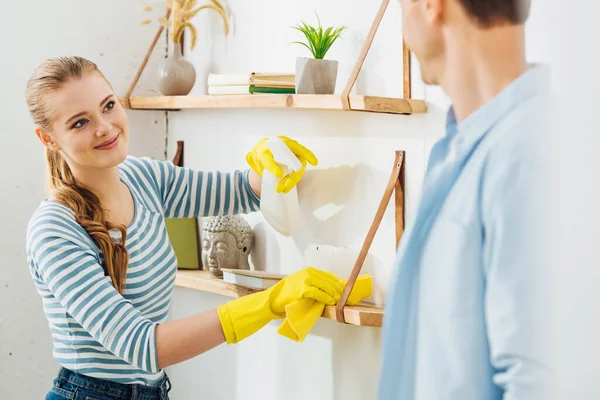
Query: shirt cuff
point(252, 196)
point(153, 353)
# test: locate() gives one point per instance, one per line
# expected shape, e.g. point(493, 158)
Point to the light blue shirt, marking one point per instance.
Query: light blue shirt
point(462, 318)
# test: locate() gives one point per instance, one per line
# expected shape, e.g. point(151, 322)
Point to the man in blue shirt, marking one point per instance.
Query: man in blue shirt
point(464, 317)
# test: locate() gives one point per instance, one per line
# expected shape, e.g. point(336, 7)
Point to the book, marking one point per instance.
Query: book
point(184, 233)
point(273, 80)
point(185, 239)
point(253, 78)
point(272, 90)
point(251, 279)
point(247, 89)
point(274, 84)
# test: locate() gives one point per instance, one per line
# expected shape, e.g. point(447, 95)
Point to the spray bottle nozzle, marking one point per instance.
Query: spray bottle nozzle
point(283, 155)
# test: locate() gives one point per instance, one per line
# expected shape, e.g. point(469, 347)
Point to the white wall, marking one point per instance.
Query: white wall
point(109, 34)
point(575, 252)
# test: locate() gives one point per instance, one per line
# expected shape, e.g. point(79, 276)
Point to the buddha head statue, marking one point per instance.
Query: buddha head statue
point(226, 243)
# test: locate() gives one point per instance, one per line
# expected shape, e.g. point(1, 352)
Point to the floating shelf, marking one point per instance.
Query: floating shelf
point(344, 101)
point(281, 101)
point(363, 315)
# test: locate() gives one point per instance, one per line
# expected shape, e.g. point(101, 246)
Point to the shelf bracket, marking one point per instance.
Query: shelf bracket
point(395, 184)
point(363, 55)
point(126, 102)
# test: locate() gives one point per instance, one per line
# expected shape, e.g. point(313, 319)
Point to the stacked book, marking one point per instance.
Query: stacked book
point(252, 83)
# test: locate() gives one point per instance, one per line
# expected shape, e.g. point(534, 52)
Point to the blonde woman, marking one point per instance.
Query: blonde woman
point(98, 249)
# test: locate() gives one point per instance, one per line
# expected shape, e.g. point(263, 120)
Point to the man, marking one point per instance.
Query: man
point(464, 316)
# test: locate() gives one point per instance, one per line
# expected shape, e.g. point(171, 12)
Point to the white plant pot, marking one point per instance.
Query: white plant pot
point(315, 76)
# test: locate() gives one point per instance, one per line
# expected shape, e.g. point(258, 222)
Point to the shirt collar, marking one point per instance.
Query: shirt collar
point(534, 81)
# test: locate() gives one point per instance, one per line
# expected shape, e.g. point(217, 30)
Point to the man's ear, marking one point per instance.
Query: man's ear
point(46, 139)
point(434, 10)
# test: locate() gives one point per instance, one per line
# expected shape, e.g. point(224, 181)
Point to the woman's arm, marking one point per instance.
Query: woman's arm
point(188, 193)
point(255, 181)
point(67, 264)
point(76, 279)
point(237, 319)
point(182, 339)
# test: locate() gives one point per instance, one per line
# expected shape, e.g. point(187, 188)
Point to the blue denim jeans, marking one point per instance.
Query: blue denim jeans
point(73, 386)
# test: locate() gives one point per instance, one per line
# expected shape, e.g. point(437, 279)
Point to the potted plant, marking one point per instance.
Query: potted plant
point(177, 75)
point(317, 75)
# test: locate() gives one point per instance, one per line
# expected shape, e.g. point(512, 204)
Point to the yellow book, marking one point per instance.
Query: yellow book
point(255, 78)
point(273, 80)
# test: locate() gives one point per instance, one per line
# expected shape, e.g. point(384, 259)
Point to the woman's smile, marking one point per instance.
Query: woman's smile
point(109, 144)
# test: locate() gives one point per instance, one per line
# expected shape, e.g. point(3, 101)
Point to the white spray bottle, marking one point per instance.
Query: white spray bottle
point(281, 210)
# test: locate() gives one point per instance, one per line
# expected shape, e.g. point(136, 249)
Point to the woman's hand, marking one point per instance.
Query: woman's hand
point(242, 317)
point(308, 283)
point(261, 158)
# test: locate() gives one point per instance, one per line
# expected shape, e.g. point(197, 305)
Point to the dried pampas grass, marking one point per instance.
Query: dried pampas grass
point(182, 11)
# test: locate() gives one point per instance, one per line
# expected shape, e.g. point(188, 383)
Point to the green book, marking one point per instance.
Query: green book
point(271, 90)
point(184, 237)
point(184, 233)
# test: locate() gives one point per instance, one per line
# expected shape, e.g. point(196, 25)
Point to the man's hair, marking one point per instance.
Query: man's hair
point(491, 12)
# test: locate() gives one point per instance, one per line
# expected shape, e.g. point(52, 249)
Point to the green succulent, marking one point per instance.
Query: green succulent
point(318, 41)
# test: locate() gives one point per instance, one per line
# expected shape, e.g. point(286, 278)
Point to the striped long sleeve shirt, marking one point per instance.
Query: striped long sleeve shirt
point(95, 330)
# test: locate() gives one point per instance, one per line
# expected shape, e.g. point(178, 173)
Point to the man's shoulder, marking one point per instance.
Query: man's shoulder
point(522, 134)
point(518, 154)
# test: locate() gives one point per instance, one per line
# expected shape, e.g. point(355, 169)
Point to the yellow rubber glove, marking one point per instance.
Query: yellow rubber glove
point(261, 158)
point(244, 316)
point(302, 315)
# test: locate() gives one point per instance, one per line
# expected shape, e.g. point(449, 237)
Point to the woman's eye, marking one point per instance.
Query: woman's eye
point(79, 124)
point(109, 106)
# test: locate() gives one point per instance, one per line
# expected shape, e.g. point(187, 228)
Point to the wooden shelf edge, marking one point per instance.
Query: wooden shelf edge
point(374, 104)
point(362, 315)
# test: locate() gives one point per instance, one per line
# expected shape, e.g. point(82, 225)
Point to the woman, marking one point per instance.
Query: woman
point(98, 248)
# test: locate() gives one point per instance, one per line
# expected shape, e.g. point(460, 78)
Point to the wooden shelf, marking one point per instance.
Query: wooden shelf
point(279, 101)
point(342, 102)
point(363, 315)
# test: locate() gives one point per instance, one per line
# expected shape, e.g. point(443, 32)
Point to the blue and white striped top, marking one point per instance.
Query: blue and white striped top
point(95, 330)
